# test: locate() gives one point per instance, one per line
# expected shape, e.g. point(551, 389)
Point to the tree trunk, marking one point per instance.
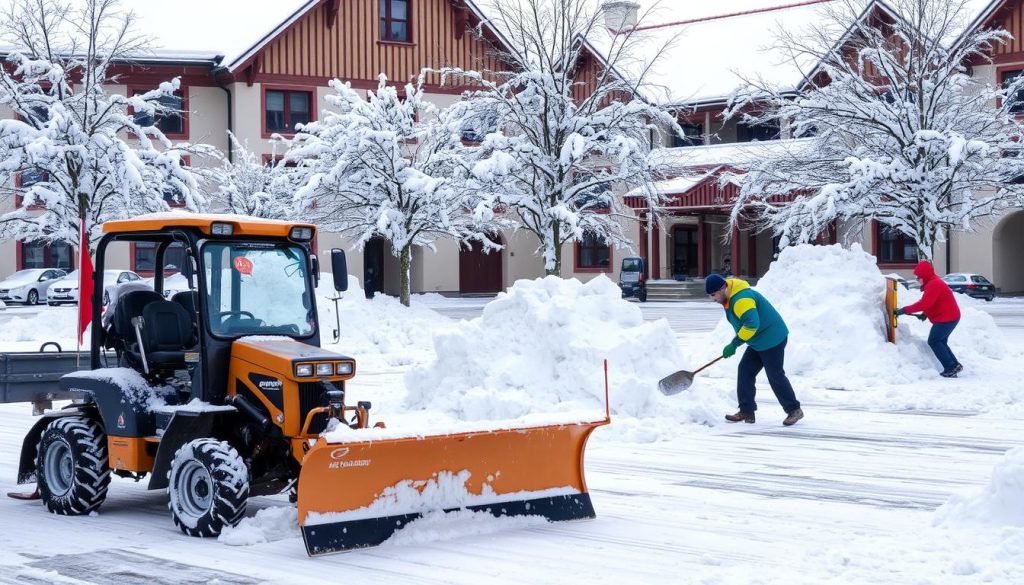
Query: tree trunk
point(405, 261)
point(557, 247)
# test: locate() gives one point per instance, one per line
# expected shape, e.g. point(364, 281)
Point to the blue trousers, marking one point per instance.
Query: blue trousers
point(938, 340)
point(771, 361)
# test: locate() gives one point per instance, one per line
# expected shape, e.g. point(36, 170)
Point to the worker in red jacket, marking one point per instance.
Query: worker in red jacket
point(939, 307)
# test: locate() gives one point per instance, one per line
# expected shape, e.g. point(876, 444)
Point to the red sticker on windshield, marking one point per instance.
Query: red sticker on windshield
point(243, 265)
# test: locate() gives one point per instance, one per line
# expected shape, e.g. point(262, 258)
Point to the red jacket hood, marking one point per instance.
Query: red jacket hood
point(925, 271)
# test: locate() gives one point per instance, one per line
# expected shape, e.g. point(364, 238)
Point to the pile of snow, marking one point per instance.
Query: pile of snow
point(832, 300)
point(1000, 503)
point(58, 324)
point(378, 327)
point(539, 348)
point(267, 525)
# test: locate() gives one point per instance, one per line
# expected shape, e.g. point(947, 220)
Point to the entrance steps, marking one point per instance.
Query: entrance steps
point(686, 290)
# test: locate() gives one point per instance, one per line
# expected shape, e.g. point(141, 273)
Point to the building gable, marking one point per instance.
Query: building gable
point(341, 38)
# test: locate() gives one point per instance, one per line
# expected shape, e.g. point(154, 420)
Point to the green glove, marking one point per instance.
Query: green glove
point(729, 351)
point(921, 316)
point(898, 311)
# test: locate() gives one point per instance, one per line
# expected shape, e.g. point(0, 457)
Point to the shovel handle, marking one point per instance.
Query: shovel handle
point(707, 365)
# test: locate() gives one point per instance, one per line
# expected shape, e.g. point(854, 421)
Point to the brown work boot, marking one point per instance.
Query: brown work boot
point(795, 415)
point(747, 417)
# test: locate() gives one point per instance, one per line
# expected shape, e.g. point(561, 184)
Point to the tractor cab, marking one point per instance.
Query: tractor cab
point(244, 279)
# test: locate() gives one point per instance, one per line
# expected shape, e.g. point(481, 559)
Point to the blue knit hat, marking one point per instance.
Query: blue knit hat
point(713, 283)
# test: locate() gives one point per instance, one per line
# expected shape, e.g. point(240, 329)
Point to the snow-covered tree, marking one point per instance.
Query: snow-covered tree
point(897, 129)
point(75, 149)
point(559, 144)
point(388, 165)
point(247, 185)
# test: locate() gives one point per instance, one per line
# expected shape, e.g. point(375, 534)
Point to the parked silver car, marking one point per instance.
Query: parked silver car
point(65, 290)
point(29, 286)
point(972, 285)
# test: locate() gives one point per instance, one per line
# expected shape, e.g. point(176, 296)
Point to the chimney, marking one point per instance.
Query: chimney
point(620, 14)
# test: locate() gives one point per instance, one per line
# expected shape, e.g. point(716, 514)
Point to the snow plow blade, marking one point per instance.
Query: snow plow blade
point(357, 494)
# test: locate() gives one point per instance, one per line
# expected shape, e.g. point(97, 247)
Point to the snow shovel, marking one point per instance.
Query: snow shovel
point(681, 380)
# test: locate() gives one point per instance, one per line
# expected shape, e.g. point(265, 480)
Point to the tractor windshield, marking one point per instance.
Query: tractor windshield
point(255, 288)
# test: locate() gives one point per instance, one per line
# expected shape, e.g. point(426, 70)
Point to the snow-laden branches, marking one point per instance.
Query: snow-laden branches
point(248, 185)
point(899, 130)
point(76, 151)
point(388, 165)
point(562, 128)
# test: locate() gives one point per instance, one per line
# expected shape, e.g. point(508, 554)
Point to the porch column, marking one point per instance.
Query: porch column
point(645, 234)
point(702, 269)
point(655, 250)
point(734, 255)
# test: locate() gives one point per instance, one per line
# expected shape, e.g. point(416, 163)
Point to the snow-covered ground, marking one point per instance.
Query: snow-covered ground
point(895, 476)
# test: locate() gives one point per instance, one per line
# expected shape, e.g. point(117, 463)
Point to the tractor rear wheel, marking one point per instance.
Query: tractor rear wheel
point(208, 486)
point(71, 466)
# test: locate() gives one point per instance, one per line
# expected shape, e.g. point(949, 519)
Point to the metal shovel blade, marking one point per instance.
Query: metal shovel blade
point(675, 383)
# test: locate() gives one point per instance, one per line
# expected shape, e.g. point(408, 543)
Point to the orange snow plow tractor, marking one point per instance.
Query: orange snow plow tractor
point(212, 383)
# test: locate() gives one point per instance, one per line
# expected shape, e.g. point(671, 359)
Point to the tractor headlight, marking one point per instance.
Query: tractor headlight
point(304, 370)
point(344, 369)
point(301, 234)
point(325, 369)
point(222, 229)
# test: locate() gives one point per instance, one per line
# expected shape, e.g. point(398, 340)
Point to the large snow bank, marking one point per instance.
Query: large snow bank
point(539, 348)
point(832, 301)
point(378, 327)
point(1000, 503)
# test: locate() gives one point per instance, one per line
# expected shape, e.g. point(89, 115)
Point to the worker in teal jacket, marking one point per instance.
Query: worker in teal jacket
point(761, 328)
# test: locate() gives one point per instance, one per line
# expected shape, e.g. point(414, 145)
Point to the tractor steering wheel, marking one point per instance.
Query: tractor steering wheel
point(223, 314)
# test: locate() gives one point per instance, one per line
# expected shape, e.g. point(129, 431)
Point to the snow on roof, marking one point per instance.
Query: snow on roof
point(225, 27)
point(736, 155)
point(708, 57)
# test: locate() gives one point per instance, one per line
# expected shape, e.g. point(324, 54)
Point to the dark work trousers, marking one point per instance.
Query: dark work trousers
point(937, 340)
point(771, 361)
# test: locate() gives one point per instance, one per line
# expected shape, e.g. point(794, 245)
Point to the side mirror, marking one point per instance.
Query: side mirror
point(339, 266)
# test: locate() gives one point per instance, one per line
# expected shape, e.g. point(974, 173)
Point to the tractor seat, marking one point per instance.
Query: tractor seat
point(127, 308)
point(166, 333)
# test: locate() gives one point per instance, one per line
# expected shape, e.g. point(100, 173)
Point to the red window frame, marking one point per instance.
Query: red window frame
point(20, 257)
point(182, 92)
point(386, 20)
point(596, 246)
point(901, 242)
point(310, 91)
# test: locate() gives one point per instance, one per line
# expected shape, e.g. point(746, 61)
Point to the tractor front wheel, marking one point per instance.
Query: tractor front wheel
point(71, 466)
point(208, 485)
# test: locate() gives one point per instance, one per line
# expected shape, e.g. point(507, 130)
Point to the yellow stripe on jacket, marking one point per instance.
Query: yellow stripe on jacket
point(739, 309)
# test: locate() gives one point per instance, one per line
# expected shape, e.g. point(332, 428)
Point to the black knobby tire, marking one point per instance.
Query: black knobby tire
point(33, 297)
point(208, 486)
point(71, 466)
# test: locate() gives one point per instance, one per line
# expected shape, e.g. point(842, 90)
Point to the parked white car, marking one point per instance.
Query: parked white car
point(173, 284)
point(29, 286)
point(66, 289)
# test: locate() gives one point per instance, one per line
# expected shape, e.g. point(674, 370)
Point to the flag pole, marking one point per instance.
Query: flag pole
point(78, 338)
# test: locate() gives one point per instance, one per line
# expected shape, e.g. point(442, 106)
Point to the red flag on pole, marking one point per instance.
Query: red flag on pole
point(85, 287)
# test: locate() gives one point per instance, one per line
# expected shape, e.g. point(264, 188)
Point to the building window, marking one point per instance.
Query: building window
point(171, 121)
point(394, 21)
point(757, 132)
point(284, 110)
point(144, 260)
point(46, 255)
point(894, 247)
point(1016, 100)
point(592, 253)
point(693, 135)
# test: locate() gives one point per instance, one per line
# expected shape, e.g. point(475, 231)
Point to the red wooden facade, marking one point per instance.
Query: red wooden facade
point(341, 39)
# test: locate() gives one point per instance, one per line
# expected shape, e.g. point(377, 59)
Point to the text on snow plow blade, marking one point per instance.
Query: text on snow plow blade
point(222, 391)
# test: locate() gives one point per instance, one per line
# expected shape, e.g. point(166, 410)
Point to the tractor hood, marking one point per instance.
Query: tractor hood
point(283, 355)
